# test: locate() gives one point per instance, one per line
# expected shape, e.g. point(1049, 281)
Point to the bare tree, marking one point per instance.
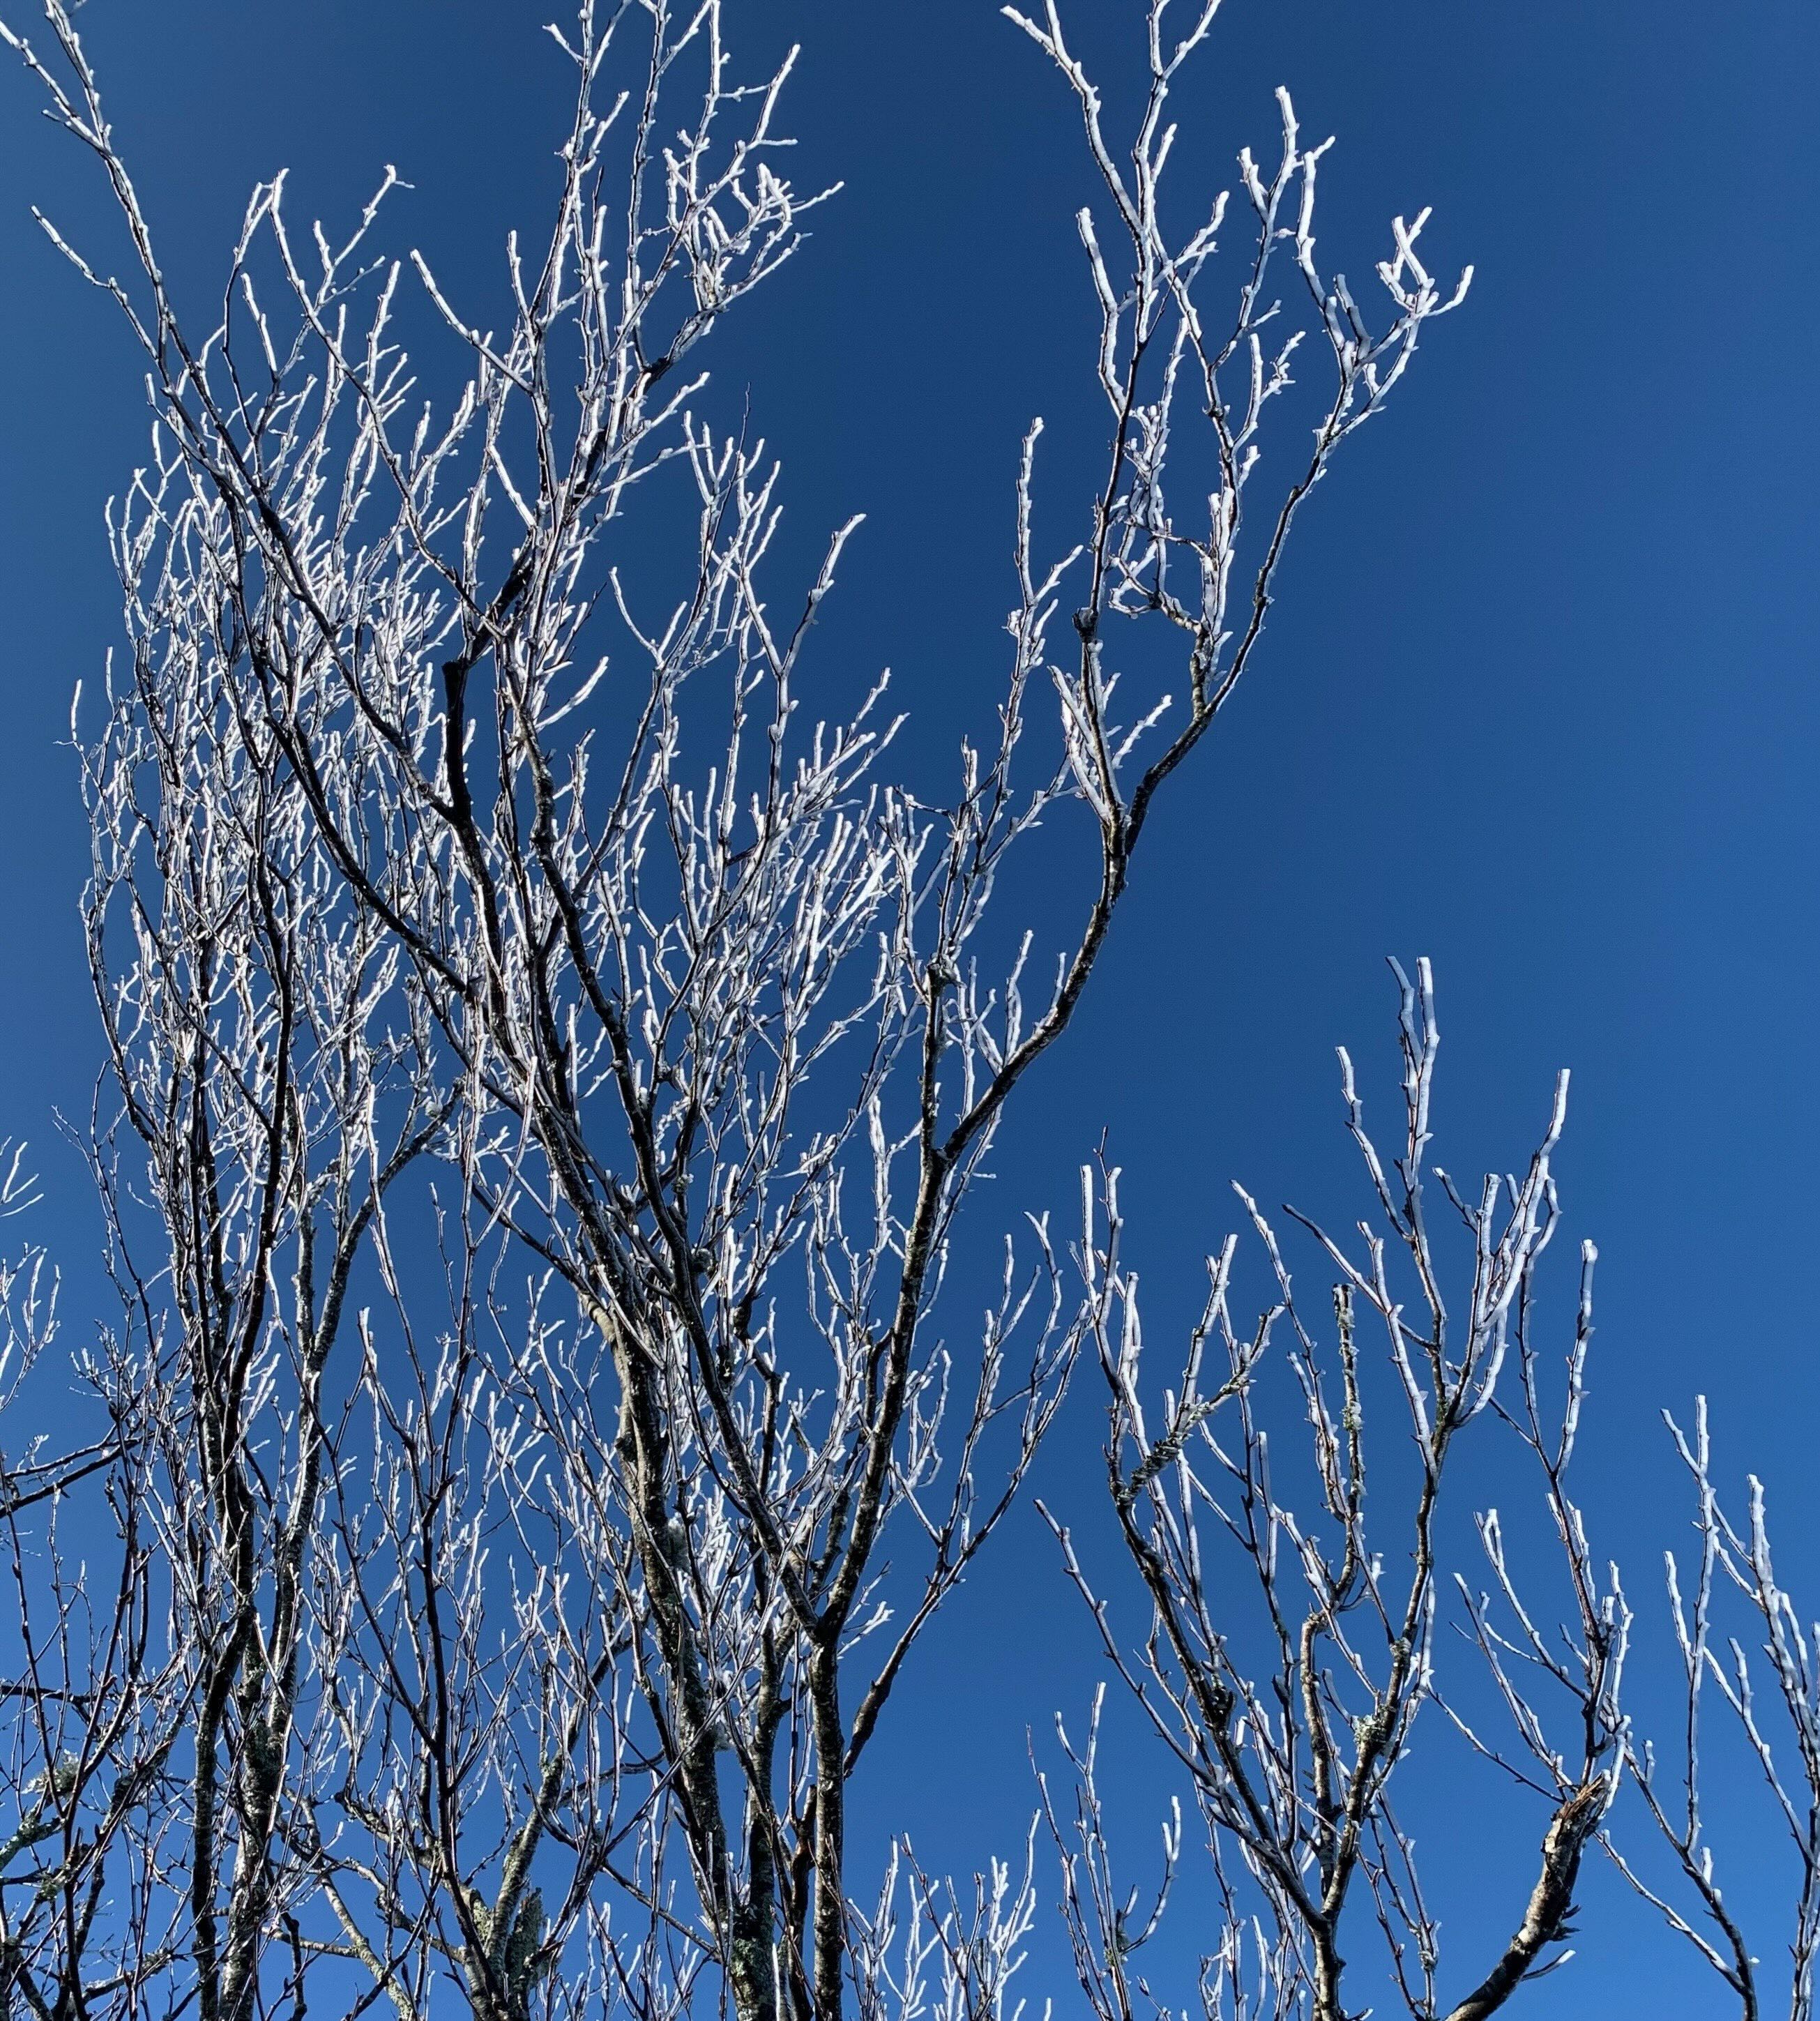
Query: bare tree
point(549, 1074)
point(1290, 1645)
point(90, 1701)
point(1732, 1599)
point(1292, 1712)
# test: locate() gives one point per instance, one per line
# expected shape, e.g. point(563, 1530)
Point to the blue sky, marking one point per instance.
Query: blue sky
point(1539, 699)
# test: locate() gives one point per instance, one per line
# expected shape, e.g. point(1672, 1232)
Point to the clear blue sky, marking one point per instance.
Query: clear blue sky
point(1539, 700)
